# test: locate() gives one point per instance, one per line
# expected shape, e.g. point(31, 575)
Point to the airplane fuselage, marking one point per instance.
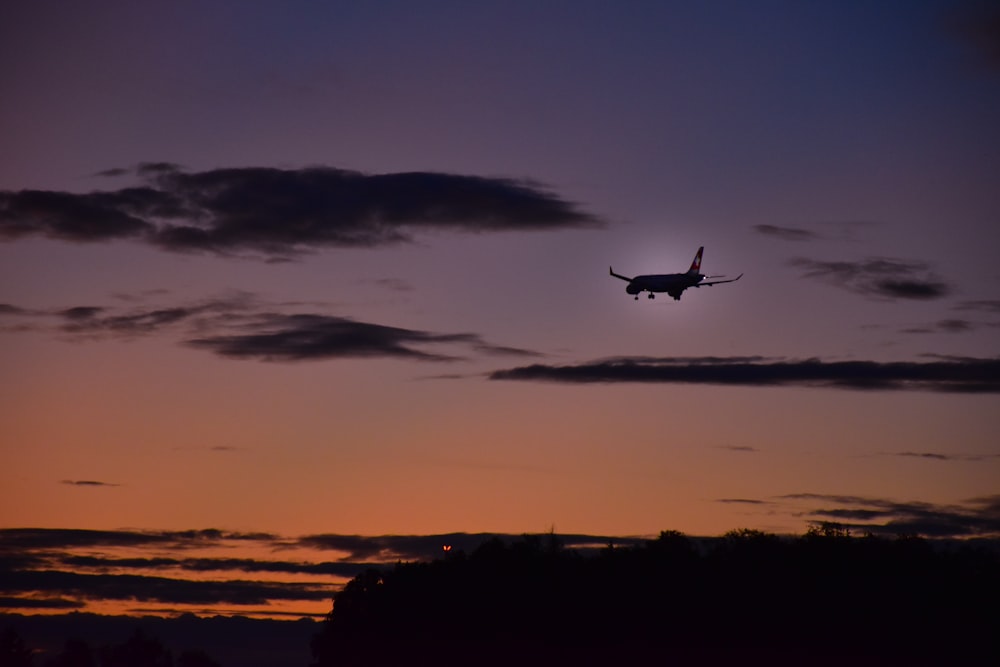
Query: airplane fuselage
point(673, 284)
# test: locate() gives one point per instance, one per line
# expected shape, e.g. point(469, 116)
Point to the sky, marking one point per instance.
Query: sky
point(274, 272)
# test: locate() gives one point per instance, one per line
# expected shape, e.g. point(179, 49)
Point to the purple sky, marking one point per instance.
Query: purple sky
point(342, 267)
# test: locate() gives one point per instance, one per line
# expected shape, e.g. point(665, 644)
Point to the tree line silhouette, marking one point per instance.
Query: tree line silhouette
point(139, 650)
point(749, 597)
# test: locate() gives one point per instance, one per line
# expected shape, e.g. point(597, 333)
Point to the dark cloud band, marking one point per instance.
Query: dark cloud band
point(241, 327)
point(879, 277)
point(300, 337)
point(976, 517)
point(282, 212)
point(86, 483)
point(786, 233)
point(953, 375)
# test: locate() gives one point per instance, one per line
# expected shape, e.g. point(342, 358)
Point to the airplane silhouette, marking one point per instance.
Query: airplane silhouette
point(673, 284)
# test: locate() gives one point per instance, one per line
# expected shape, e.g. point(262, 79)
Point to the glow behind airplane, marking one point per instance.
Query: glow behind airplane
point(673, 284)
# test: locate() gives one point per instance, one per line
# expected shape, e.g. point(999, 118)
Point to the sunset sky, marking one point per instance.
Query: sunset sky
point(291, 270)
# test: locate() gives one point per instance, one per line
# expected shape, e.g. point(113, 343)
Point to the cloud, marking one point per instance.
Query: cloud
point(975, 517)
point(276, 337)
point(393, 284)
point(284, 212)
point(955, 325)
point(114, 172)
point(927, 455)
point(85, 319)
point(15, 540)
point(937, 456)
point(98, 216)
point(242, 327)
point(40, 564)
point(950, 325)
point(740, 448)
point(952, 375)
point(40, 603)
point(335, 568)
point(838, 230)
point(163, 589)
point(877, 276)
point(983, 305)
point(786, 233)
point(21, 316)
point(96, 322)
point(86, 482)
point(391, 548)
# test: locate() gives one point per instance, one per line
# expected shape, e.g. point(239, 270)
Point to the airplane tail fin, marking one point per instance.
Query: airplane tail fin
point(696, 264)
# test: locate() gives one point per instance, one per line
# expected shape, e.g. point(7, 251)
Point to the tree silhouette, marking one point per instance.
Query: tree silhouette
point(75, 653)
point(196, 659)
point(13, 651)
point(749, 596)
point(138, 651)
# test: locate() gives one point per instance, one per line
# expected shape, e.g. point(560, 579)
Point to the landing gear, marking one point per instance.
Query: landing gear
point(652, 296)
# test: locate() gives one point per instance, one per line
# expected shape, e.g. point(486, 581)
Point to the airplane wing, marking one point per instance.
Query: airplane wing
point(719, 282)
point(618, 275)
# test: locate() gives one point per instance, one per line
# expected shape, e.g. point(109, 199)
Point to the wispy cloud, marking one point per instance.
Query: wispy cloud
point(878, 277)
point(786, 233)
point(939, 456)
point(971, 518)
point(840, 230)
point(955, 325)
point(949, 325)
point(15, 540)
point(215, 448)
point(952, 375)
point(390, 548)
point(310, 337)
point(393, 284)
point(740, 448)
point(243, 327)
point(36, 604)
point(86, 483)
point(246, 565)
point(284, 212)
point(162, 589)
point(21, 320)
point(141, 318)
point(982, 305)
point(974, 517)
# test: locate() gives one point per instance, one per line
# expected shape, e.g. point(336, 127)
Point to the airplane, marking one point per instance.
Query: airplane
point(673, 284)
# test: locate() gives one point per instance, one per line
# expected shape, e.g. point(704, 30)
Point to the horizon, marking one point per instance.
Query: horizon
point(170, 574)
